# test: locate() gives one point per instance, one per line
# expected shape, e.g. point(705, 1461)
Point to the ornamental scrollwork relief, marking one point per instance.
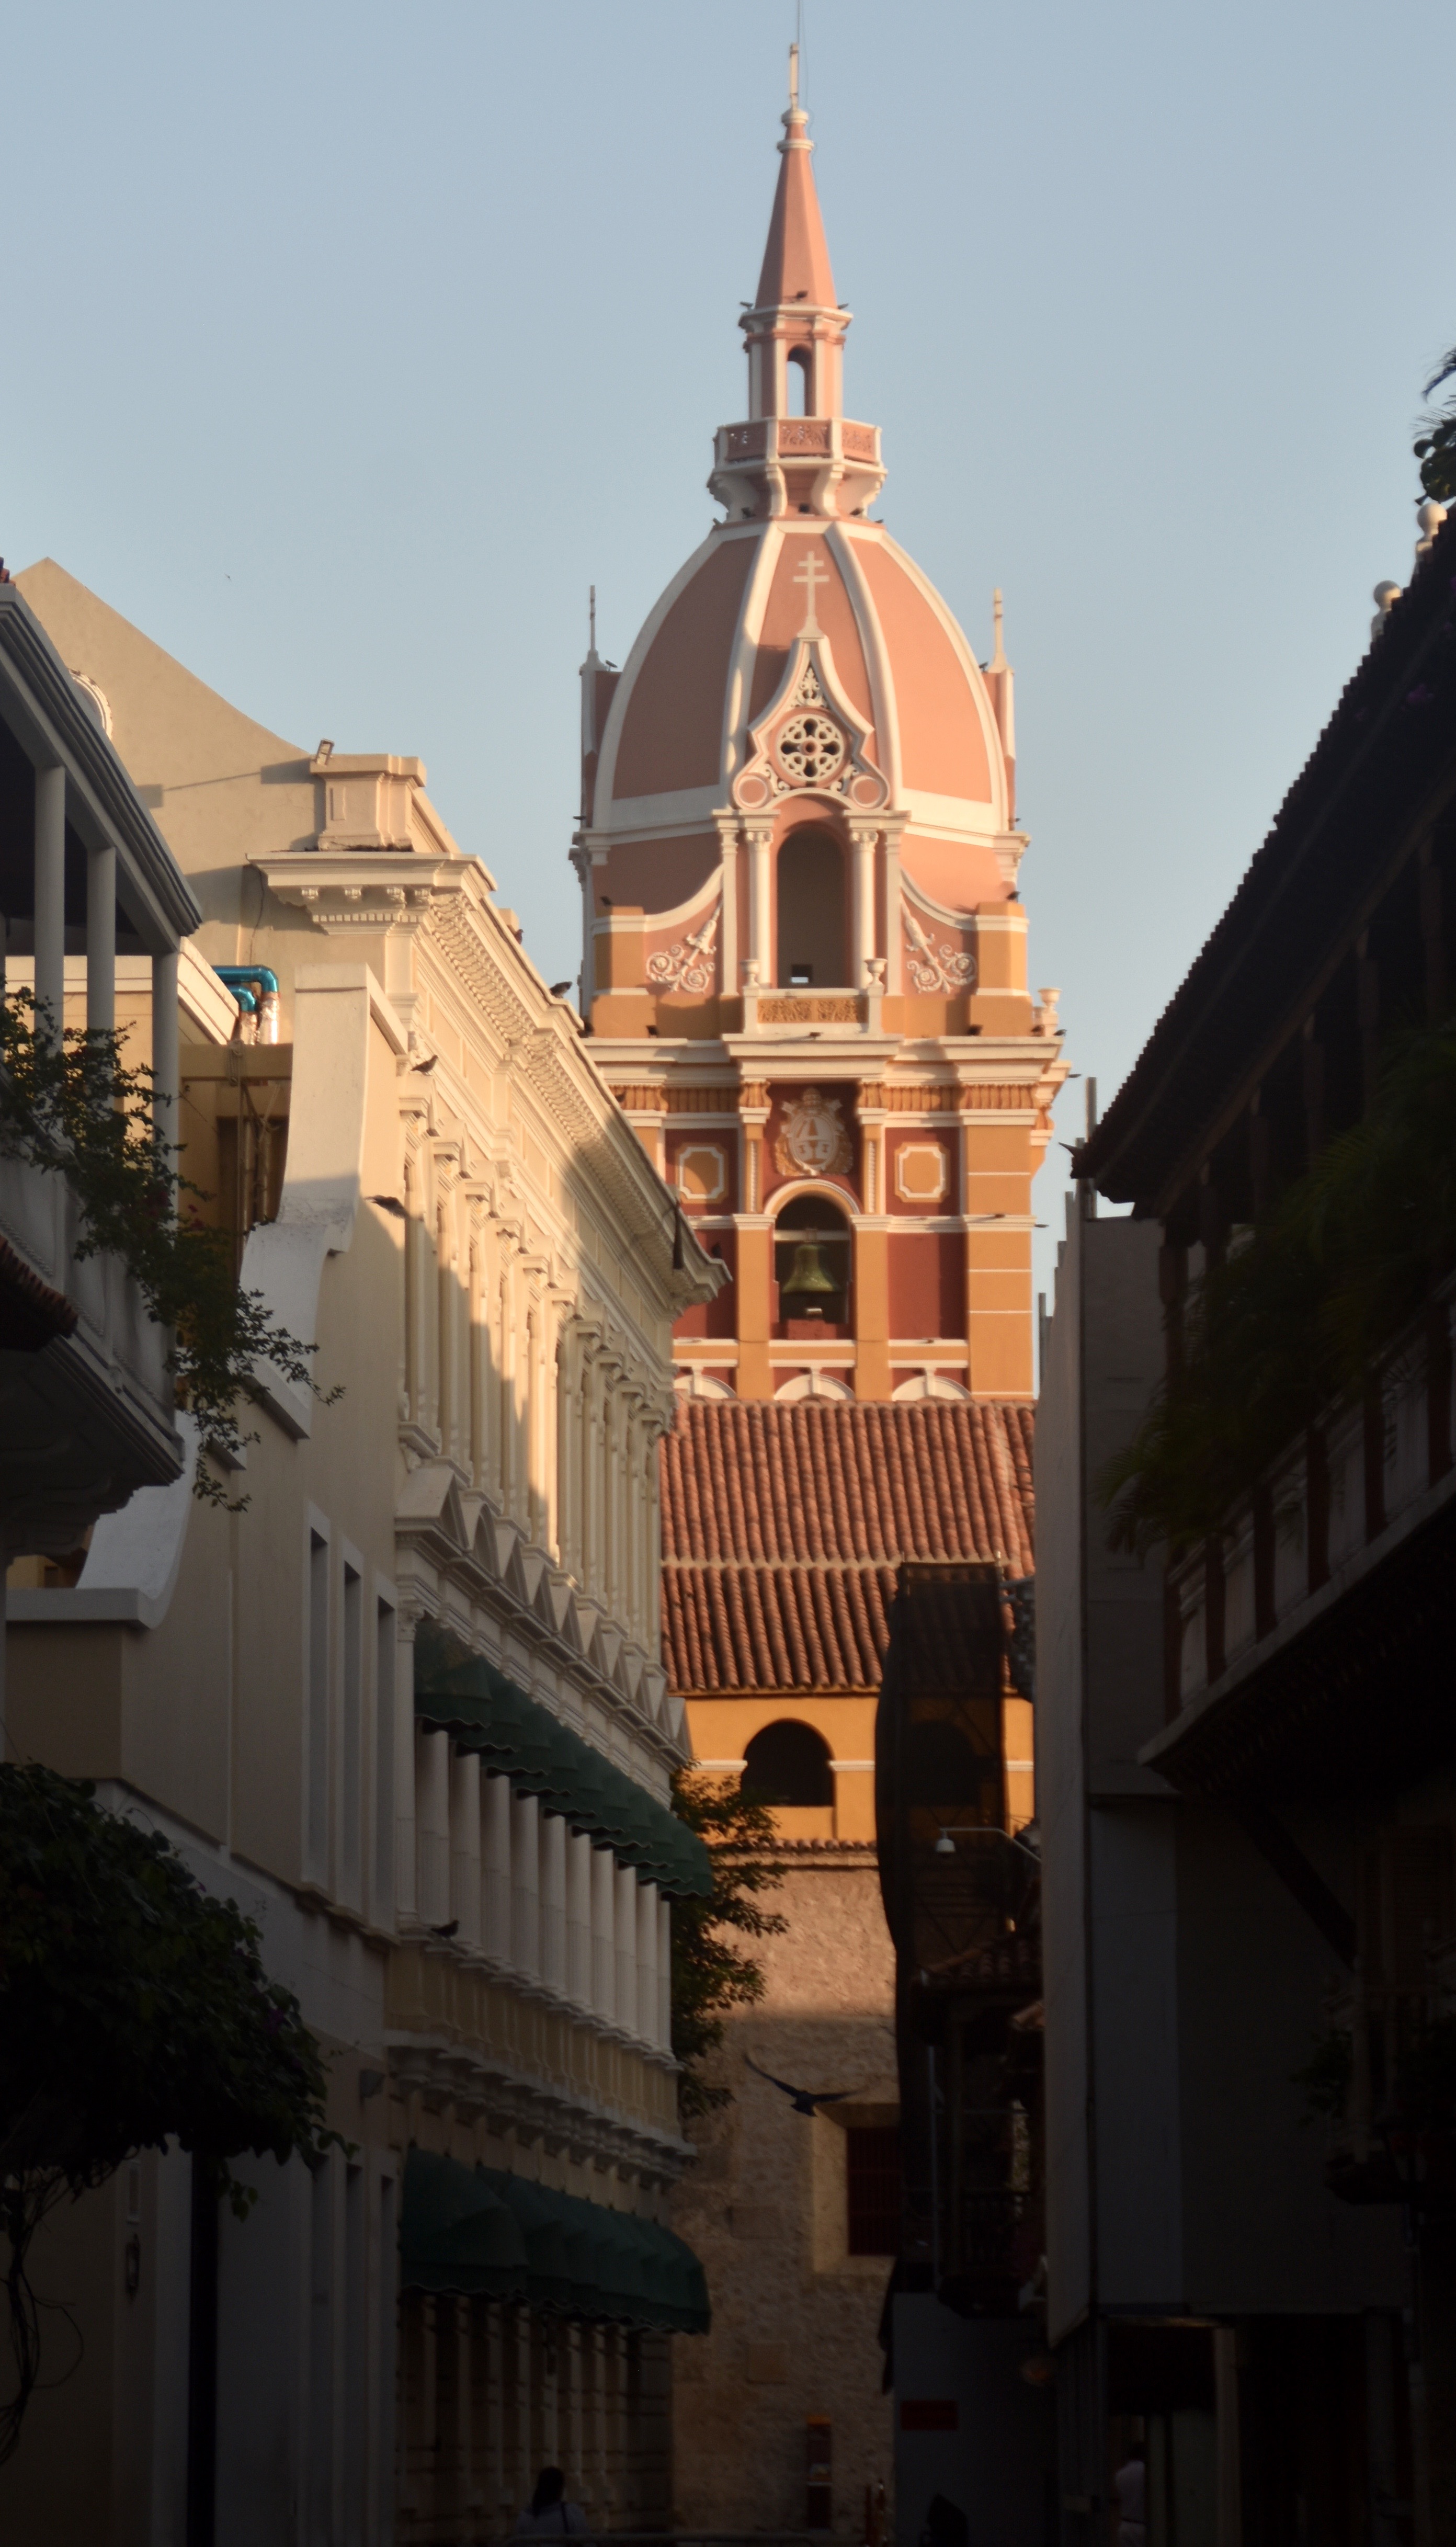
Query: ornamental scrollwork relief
point(936, 968)
point(689, 964)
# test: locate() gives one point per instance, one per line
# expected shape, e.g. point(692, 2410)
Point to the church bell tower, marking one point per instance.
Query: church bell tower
point(804, 950)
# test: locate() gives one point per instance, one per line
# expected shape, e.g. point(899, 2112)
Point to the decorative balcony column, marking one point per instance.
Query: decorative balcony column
point(495, 1865)
point(626, 1892)
point(603, 1934)
point(578, 1918)
point(464, 1845)
point(526, 1885)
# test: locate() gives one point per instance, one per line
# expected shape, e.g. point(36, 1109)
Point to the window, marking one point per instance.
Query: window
point(796, 381)
point(384, 1769)
point(316, 1743)
point(351, 1745)
point(813, 942)
point(872, 2184)
point(790, 1763)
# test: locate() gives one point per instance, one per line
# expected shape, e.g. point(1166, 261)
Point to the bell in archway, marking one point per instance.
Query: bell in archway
point(807, 1277)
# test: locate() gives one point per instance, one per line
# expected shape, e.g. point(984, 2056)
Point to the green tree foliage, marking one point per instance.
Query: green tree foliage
point(135, 2011)
point(710, 1972)
point(1436, 446)
point(70, 1107)
point(1300, 1314)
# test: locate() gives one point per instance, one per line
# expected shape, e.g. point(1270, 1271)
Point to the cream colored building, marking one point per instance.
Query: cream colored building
point(407, 1707)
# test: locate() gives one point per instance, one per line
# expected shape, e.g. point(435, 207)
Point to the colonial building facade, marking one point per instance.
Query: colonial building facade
point(407, 1707)
point(805, 968)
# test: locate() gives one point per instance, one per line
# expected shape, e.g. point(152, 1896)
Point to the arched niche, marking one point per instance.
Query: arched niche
point(813, 932)
point(812, 1221)
point(790, 1763)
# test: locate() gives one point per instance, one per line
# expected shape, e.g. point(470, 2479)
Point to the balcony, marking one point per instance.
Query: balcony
point(1344, 1542)
point(87, 1403)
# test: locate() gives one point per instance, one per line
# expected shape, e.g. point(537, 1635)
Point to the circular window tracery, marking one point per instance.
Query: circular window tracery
point(811, 750)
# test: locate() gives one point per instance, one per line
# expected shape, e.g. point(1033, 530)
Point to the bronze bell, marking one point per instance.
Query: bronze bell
point(808, 1274)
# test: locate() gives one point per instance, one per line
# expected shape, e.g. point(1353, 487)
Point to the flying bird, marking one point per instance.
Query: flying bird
point(802, 2099)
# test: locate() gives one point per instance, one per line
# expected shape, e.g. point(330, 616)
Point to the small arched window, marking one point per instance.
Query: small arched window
point(788, 1763)
point(797, 379)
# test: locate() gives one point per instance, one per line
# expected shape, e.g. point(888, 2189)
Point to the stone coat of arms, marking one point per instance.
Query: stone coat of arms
point(813, 1140)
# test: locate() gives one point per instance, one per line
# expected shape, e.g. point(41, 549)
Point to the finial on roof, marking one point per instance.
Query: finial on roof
point(1429, 521)
point(793, 79)
point(999, 662)
point(1385, 596)
point(592, 616)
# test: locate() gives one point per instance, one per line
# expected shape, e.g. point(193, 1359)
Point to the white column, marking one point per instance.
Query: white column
point(406, 1874)
point(101, 939)
point(627, 1892)
point(432, 1827)
point(495, 1867)
point(526, 1885)
point(578, 1919)
point(760, 905)
point(553, 1900)
point(602, 1933)
point(167, 1047)
point(665, 1973)
point(727, 922)
point(863, 851)
point(646, 1961)
point(894, 933)
point(464, 1845)
point(50, 893)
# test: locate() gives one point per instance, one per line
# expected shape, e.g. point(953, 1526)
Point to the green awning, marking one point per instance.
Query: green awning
point(482, 2232)
point(455, 2233)
point(466, 1695)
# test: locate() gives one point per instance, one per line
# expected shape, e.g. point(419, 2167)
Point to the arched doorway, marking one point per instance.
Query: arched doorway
point(813, 942)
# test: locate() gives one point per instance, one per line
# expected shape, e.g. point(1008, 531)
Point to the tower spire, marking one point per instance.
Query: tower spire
point(797, 273)
point(795, 429)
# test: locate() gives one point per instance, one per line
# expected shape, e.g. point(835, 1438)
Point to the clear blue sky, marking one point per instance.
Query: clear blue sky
point(344, 347)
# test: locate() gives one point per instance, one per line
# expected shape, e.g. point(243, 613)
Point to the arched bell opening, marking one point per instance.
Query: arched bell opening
point(812, 914)
point(788, 1763)
point(812, 1258)
point(799, 381)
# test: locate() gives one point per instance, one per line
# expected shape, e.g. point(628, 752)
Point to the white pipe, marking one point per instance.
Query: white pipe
point(100, 941)
point(50, 893)
point(166, 1048)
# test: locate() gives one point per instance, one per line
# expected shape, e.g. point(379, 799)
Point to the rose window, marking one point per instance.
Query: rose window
point(811, 750)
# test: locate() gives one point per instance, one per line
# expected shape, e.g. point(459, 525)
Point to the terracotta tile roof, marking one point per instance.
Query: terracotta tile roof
point(782, 1528)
